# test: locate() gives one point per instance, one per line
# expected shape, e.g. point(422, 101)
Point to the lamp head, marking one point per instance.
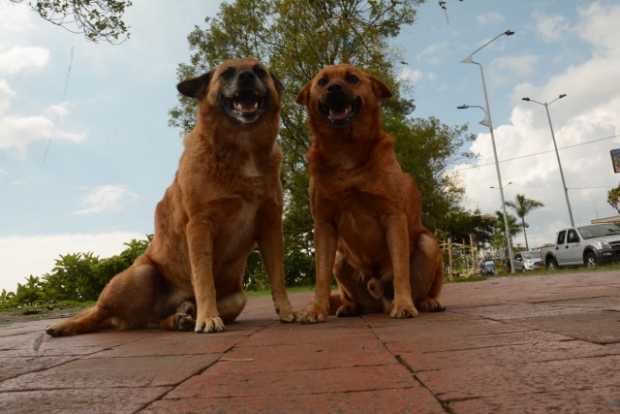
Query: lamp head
point(509, 32)
point(462, 107)
point(562, 96)
point(526, 99)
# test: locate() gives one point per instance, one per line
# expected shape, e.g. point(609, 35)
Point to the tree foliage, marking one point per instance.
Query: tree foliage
point(96, 19)
point(523, 206)
point(75, 277)
point(461, 224)
point(613, 198)
point(498, 238)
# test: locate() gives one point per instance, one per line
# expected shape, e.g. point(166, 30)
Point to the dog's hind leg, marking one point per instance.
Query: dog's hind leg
point(129, 300)
point(345, 305)
point(229, 307)
point(427, 274)
point(184, 319)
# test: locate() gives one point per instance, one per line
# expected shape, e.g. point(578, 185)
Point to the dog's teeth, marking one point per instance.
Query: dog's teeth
point(339, 115)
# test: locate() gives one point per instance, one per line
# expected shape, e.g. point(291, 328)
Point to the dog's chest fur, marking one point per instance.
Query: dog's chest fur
point(362, 235)
point(238, 232)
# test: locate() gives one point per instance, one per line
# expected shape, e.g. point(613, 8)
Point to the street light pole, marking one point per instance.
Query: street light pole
point(557, 153)
point(469, 59)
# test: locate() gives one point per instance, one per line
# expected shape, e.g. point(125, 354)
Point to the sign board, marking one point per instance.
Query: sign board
point(615, 159)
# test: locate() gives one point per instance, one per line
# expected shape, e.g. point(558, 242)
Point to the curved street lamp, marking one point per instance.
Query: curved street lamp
point(488, 122)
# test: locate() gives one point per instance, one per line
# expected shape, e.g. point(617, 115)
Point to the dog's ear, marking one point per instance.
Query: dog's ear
point(195, 87)
point(277, 83)
point(381, 91)
point(304, 94)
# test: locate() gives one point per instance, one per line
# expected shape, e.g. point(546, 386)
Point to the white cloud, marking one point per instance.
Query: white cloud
point(433, 54)
point(410, 76)
point(490, 18)
point(589, 112)
point(24, 255)
point(59, 110)
point(106, 198)
point(19, 59)
point(551, 28)
point(600, 27)
point(6, 93)
point(522, 65)
point(19, 132)
point(15, 18)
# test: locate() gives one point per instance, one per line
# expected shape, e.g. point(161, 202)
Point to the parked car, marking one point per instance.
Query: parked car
point(586, 245)
point(527, 261)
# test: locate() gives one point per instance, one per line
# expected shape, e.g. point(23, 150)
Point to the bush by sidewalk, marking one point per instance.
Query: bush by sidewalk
point(75, 278)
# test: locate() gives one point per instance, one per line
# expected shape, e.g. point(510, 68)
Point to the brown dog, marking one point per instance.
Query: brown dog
point(226, 197)
point(366, 210)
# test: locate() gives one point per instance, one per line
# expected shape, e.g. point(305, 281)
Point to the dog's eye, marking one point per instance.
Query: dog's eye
point(352, 79)
point(260, 72)
point(229, 73)
point(323, 81)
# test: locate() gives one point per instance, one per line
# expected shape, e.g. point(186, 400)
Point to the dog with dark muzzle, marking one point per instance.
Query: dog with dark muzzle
point(225, 199)
point(367, 212)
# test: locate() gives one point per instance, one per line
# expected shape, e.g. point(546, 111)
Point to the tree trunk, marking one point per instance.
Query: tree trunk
point(524, 232)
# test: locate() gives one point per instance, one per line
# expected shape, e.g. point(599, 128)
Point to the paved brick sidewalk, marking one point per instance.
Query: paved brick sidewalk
point(511, 345)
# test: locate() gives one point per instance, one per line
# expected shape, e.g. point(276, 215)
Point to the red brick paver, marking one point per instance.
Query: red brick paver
point(544, 344)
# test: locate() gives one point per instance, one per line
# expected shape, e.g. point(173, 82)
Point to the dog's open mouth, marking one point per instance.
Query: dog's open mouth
point(245, 106)
point(339, 111)
point(337, 115)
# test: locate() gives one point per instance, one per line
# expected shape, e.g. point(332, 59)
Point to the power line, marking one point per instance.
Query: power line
point(535, 154)
point(64, 96)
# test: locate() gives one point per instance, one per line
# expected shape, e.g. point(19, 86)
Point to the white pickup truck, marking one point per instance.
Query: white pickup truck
point(585, 245)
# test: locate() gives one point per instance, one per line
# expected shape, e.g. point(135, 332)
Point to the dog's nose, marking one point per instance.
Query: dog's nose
point(334, 88)
point(246, 76)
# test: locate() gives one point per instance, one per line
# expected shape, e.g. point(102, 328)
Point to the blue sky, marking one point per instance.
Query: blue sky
point(111, 154)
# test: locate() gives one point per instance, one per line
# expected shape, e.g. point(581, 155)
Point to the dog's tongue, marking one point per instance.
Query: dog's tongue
point(339, 116)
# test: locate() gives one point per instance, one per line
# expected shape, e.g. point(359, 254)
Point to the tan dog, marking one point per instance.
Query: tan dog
point(225, 199)
point(366, 210)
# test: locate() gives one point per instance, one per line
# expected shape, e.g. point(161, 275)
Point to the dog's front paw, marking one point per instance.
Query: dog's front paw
point(403, 309)
point(209, 324)
point(314, 314)
point(287, 316)
point(431, 305)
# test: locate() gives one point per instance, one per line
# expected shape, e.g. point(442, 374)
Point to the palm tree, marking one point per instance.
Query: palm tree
point(523, 206)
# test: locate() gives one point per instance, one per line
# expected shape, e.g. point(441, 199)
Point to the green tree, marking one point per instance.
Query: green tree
point(498, 238)
point(523, 206)
point(96, 19)
point(30, 292)
point(613, 198)
point(74, 277)
point(461, 224)
point(296, 39)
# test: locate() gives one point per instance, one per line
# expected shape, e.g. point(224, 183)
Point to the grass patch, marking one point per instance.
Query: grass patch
point(267, 292)
point(41, 311)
